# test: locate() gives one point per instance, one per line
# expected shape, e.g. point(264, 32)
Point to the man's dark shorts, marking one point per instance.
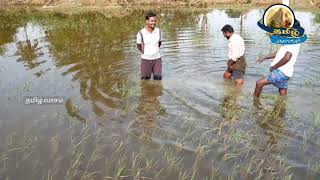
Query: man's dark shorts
point(238, 68)
point(236, 74)
point(149, 67)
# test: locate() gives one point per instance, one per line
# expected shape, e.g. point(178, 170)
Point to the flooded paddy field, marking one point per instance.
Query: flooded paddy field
point(190, 125)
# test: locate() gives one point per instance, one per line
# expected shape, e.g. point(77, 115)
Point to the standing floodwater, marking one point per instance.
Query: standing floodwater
point(111, 125)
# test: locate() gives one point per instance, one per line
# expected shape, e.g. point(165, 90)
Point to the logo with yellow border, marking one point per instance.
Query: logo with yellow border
point(280, 22)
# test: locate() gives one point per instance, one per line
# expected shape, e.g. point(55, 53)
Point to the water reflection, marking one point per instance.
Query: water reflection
point(73, 111)
point(203, 22)
point(317, 18)
point(236, 13)
point(149, 105)
point(27, 50)
point(230, 108)
point(90, 49)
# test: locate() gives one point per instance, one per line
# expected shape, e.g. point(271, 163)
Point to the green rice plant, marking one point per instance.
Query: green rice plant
point(75, 164)
point(179, 147)
point(96, 155)
point(50, 175)
point(183, 175)
point(316, 119)
point(28, 84)
point(174, 162)
point(3, 161)
point(126, 90)
point(151, 165)
point(214, 174)
point(136, 160)
point(90, 175)
point(295, 115)
point(193, 177)
point(162, 111)
point(158, 174)
point(201, 152)
point(316, 167)
point(119, 174)
point(239, 136)
point(288, 177)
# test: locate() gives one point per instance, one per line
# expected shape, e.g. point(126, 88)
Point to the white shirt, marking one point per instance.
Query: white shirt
point(151, 43)
point(236, 47)
point(287, 68)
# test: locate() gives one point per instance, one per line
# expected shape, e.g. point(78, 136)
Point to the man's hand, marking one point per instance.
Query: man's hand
point(270, 56)
point(283, 61)
point(140, 47)
point(230, 63)
point(260, 60)
point(272, 68)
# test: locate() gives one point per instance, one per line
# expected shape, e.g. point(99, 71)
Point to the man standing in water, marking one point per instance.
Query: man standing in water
point(236, 63)
point(281, 69)
point(148, 42)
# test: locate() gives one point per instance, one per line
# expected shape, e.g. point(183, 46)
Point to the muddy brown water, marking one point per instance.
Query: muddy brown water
point(190, 125)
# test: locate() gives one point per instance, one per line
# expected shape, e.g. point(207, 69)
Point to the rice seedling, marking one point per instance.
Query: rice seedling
point(316, 119)
point(127, 91)
point(316, 167)
point(201, 152)
point(28, 84)
point(193, 176)
point(173, 161)
point(151, 165)
point(183, 175)
point(179, 147)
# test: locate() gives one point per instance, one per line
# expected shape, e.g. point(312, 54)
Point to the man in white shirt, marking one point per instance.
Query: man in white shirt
point(236, 63)
point(148, 42)
point(281, 68)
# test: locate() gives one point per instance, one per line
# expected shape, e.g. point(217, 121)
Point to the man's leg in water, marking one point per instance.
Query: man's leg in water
point(146, 69)
point(238, 77)
point(259, 85)
point(227, 75)
point(283, 92)
point(157, 69)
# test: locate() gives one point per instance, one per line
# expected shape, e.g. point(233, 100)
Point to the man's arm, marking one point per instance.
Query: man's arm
point(231, 63)
point(139, 46)
point(270, 56)
point(140, 42)
point(160, 38)
point(282, 62)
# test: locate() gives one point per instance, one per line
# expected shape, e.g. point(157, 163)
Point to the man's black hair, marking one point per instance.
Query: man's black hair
point(150, 14)
point(227, 28)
